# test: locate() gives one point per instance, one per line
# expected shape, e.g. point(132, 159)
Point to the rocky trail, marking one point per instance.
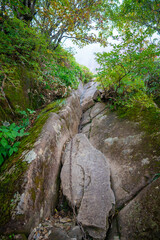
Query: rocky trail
point(91, 175)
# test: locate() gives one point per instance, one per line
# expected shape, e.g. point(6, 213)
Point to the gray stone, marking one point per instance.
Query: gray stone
point(92, 112)
point(128, 151)
point(75, 233)
point(30, 156)
point(89, 95)
point(86, 130)
point(46, 230)
point(39, 186)
point(91, 188)
point(97, 109)
point(113, 233)
point(80, 89)
point(58, 234)
point(140, 218)
point(20, 237)
point(86, 117)
point(134, 160)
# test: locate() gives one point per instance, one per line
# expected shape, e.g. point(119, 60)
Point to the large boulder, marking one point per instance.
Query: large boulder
point(90, 94)
point(140, 219)
point(134, 160)
point(37, 195)
point(85, 180)
point(92, 113)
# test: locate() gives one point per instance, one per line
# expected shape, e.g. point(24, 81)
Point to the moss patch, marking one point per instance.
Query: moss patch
point(17, 88)
point(148, 119)
point(13, 168)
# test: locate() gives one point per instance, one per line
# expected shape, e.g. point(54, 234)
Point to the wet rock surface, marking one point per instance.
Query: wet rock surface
point(91, 190)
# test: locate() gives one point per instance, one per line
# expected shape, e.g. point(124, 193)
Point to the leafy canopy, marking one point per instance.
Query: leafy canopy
point(59, 19)
point(132, 65)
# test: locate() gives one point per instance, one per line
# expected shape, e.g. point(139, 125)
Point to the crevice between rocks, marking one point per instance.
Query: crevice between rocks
point(122, 203)
point(79, 131)
point(81, 126)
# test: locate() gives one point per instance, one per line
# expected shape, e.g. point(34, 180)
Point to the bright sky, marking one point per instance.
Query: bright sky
point(85, 55)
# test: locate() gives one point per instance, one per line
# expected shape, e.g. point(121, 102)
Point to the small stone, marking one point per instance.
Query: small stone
point(76, 233)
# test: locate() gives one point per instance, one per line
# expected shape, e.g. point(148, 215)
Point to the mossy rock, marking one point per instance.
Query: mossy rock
point(21, 91)
point(14, 168)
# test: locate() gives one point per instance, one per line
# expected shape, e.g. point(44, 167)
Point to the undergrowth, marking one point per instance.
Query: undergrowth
point(32, 72)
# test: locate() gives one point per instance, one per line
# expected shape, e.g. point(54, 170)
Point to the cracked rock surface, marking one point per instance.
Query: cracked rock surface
point(92, 193)
point(134, 161)
point(88, 96)
point(105, 147)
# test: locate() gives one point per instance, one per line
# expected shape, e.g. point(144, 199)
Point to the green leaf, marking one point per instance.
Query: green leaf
point(16, 144)
point(11, 151)
point(157, 175)
point(30, 111)
point(12, 125)
point(23, 113)
point(21, 133)
point(15, 134)
point(4, 142)
point(15, 149)
point(26, 134)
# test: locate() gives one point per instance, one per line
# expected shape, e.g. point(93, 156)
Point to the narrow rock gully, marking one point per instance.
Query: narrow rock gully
point(107, 180)
point(85, 177)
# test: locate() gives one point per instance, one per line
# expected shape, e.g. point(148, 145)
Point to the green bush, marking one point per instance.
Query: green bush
point(20, 42)
point(10, 134)
point(86, 74)
point(126, 71)
point(8, 137)
point(31, 69)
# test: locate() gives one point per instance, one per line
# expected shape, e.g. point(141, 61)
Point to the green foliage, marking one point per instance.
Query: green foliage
point(129, 74)
point(60, 72)
point(142, 13)
point(132, 14)
point(10, 134)
point(25, 117)
point(153, 83)
point(126, 70)
point(31, 69)
point(58, 19)
point(8, 143)
point(11, 183)
point(24, 10)
point(70, 19)
point(20, 42)
point(86, 74)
